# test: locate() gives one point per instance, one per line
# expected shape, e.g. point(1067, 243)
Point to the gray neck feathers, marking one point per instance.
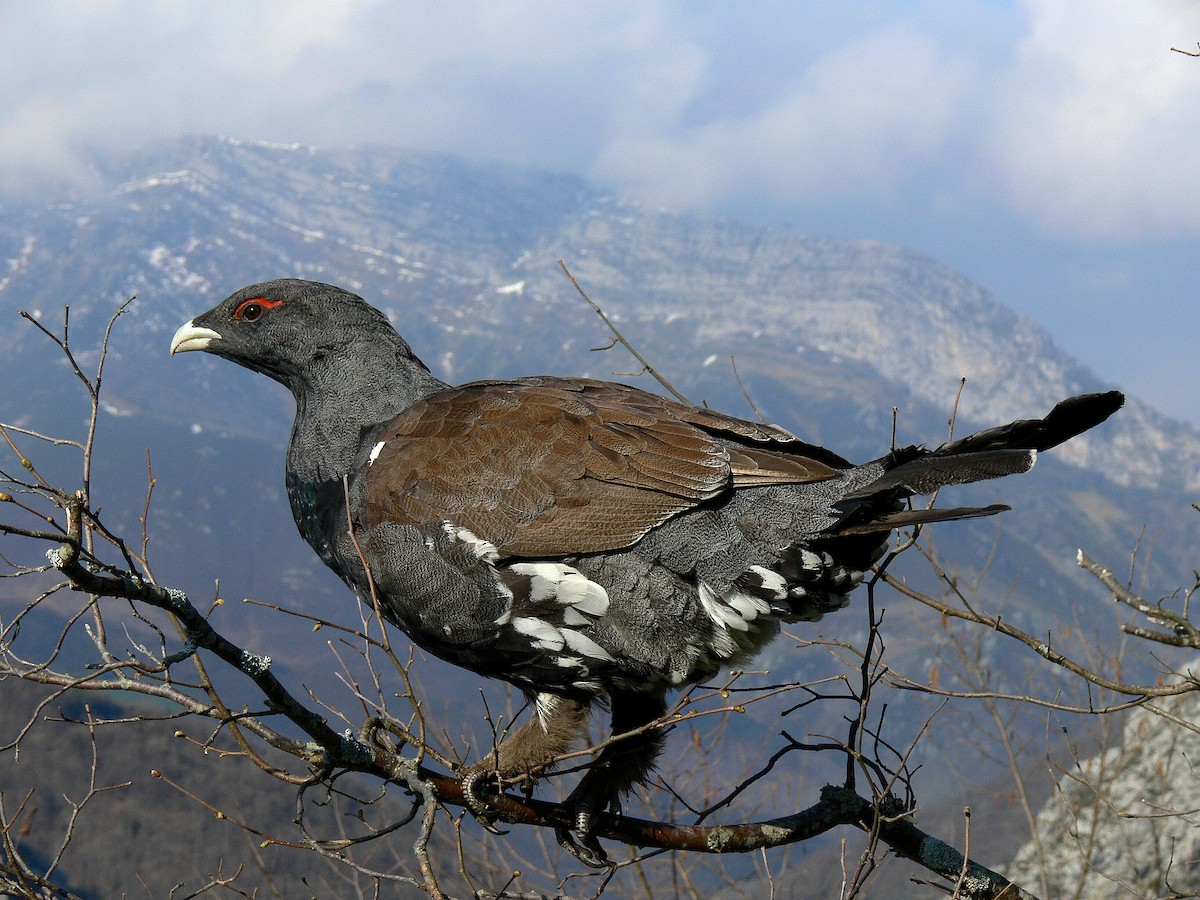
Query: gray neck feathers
point(343, 395)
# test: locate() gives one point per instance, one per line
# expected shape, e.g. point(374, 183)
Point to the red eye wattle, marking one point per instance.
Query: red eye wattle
point(255, 308)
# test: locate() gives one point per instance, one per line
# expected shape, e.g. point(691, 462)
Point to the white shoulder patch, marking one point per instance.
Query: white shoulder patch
point(375, 451)
point(483, 549)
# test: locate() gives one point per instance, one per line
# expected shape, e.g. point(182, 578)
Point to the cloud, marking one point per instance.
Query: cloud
point(1097, 132)
point(541, 82)
point(1072, 114)
point(851, 121)
point(121, 73)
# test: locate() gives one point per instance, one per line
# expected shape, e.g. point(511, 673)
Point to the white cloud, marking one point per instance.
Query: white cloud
point(120, 73)
point(1073, 113)
point(1098, 126)
point(854, 120)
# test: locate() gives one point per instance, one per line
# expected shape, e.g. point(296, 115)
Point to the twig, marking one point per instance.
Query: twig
point(745, 393)
point(646, 367)
point(1182, 634)
point(1042, 648)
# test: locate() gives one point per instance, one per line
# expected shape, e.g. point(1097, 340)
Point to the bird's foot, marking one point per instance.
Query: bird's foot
point(480, 788)
point(580, 840)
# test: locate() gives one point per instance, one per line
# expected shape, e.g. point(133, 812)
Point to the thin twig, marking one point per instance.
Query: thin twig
point(646, 367)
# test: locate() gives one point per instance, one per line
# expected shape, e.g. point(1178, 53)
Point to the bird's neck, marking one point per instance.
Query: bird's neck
point(345, 395)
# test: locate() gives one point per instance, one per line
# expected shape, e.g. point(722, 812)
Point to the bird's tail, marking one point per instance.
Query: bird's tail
point(992, 453)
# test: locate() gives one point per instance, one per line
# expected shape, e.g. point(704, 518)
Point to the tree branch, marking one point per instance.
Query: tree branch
point(1182, 634)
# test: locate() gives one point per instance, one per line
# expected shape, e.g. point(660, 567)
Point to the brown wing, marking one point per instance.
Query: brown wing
point(552, 467)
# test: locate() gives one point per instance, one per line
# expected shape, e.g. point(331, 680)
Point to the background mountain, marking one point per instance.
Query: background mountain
point(828, 337)
point(1129, 813)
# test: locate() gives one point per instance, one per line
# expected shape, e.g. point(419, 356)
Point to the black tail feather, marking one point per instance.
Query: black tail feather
point(905, 517)
point(993, 453)
point(930, 471)
point(1069, 418)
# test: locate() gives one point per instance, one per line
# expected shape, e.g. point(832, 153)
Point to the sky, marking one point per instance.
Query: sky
point(1048, 149)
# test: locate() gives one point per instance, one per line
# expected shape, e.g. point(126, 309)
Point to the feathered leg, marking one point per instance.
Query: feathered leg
point(531, 748)
point(615, 771)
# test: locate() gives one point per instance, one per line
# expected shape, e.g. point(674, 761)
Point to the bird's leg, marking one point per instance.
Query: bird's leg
point(532, 747)
point(615, 771)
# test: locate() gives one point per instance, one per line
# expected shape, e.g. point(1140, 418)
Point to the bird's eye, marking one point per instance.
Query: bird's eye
point(253, 309)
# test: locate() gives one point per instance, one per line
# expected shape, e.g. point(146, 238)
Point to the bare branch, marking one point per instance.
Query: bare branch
point(1042, 647)
point(646, 366)
point(1182, 632)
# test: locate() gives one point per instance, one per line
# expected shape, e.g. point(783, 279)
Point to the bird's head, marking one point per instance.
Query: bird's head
point(285, 328)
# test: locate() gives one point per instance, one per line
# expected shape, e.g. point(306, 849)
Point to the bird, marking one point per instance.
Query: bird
point(591, 543)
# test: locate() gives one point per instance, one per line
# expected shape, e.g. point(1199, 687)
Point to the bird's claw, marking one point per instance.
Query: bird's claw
point(580, 839)
point(581, 843)
point(479, 788)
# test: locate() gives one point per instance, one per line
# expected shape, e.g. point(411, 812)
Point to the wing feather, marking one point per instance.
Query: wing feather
point(556, 467)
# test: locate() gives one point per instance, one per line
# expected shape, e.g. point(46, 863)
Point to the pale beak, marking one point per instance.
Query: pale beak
point(192, 337)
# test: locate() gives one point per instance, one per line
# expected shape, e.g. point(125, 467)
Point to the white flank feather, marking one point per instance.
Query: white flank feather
point(771, 581)
point(565, 585)
point(581, 643)
point(543, 634)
